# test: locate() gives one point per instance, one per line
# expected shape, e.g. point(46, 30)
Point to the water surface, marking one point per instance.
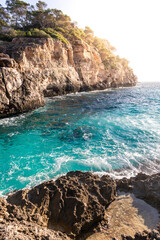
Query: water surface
point(115, 131)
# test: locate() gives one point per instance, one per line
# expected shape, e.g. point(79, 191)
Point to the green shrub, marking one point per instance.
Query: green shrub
point(8, 36)
point(37, 33)
point(60, 29)
point(34, 33)
point(29, 34)
point(4, 37)
point(19, 33)
point(76, 33)
point(54, 34)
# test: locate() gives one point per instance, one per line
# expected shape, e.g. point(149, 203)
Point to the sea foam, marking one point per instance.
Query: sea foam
point(115, 132)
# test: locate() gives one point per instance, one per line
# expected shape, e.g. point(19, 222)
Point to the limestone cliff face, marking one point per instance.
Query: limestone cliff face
point(31, 69)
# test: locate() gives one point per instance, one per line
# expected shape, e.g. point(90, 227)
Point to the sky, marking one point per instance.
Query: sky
point(132, 26)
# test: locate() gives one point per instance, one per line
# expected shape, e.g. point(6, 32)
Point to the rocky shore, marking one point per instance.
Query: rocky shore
point(84, 206)
point(34, 68)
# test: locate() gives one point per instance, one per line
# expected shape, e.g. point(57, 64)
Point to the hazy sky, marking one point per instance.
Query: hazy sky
point(132, 26)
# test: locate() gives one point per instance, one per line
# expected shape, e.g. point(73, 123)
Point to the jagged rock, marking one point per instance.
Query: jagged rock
point(76, 202)
point(36, 68)
point(15, 225)
point(143, 186)
point(6, 61)
point(71, 206)
point(29, 231)
point(152, 235)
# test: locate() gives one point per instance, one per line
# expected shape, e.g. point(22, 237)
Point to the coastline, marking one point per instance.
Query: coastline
point(45, 67)
point(75, 205)
point(13, 129)
point(84, 165)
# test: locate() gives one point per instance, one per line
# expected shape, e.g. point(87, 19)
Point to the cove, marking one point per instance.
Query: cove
point(114, 131)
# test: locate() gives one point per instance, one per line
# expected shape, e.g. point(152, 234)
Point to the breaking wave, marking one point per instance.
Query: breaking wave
point(114, 132)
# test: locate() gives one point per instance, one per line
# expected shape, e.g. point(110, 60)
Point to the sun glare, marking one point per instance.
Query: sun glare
point(132, 26)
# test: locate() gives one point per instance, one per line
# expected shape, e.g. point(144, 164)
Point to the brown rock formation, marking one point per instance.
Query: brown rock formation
point(71, 207)
point(143, 186)
point(33, 68)
point(15, 225)
point(152, 235)
point(75, 203)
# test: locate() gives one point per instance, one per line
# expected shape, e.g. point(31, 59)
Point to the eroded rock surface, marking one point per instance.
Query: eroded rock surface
point(31, 69)
point(129, 218)
point(146, 235)
point(15, 224)
point(76, 203)
point(143, 186)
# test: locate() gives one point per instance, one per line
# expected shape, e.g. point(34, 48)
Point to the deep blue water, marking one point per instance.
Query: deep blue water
point(116, 131)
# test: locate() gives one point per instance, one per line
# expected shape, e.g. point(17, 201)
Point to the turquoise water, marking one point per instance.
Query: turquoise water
point(116, 131)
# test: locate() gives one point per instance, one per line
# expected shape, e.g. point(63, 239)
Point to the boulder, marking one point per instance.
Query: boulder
point(76, 202)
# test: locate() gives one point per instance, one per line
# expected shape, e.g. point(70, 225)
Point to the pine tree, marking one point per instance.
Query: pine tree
point(18, 11)
point(4, 17)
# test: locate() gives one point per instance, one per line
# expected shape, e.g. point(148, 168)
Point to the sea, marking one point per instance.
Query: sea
point(115, 132)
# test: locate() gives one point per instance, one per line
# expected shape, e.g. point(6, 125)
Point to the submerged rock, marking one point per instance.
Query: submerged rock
point(31, 69)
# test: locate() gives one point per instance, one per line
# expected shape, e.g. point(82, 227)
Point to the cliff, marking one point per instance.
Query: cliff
point(34, 68)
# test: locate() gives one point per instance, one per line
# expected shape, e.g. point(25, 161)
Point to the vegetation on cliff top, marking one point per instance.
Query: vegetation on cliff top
point(20, 19)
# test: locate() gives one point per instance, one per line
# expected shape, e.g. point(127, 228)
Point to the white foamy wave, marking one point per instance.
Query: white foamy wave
point(98, 163)
point(2, 193)
point(149, 169)
point(12, 121)
point(13, 168)
point(47, 173)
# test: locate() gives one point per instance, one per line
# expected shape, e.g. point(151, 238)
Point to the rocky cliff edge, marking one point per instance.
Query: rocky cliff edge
point(31, 69)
